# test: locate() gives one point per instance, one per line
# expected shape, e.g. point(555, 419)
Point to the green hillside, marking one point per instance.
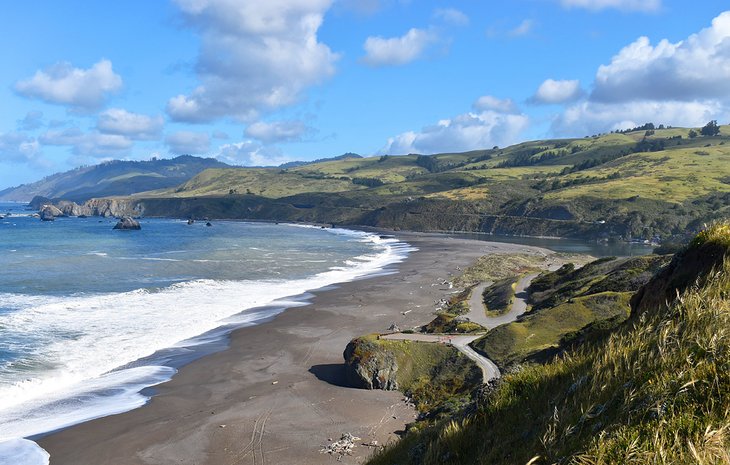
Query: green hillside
point(622, 185)
point(654, 390)
point(114, 178)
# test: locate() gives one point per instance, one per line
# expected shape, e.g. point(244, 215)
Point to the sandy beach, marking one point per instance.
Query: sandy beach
point(277, 394)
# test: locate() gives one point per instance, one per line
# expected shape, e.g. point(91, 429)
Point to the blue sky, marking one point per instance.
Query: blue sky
point(261, 83)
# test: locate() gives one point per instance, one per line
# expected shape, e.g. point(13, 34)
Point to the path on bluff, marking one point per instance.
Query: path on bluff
point(477, 314)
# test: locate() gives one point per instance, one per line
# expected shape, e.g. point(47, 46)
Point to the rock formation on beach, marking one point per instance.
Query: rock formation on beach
point(370, 367)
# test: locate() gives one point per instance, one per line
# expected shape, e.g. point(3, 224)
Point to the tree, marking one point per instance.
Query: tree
point(692, 134)
point(710, 129)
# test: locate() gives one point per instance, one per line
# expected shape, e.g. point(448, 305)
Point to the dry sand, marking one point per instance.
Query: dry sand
point(278, 393)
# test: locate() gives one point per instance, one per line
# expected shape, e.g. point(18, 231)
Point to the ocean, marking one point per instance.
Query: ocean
point(92, 318)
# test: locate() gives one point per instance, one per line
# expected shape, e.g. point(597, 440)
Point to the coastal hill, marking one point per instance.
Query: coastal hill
point(113, 178)
point(654, 389)
point(647, 182)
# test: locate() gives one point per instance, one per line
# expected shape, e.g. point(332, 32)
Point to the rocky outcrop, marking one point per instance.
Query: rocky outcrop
point(369, 366)
point(50, 213)
point(113, 207)
point(74, 209)
point(128, 223)
point(107, 208)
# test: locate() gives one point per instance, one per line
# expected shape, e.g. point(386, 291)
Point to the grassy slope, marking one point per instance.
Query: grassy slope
point(551, 187)
point(568, 304)
point(656, 391)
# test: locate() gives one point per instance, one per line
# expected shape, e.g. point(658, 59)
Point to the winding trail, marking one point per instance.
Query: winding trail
point(477, 314)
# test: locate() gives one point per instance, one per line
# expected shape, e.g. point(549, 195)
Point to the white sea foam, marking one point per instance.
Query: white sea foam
point(81, 378)
point(22, 452)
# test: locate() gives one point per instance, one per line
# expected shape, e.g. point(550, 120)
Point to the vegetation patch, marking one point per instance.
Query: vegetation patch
point(498, 297)
point(544, 331)
point(495, 267)
point(446, 323)
point(436, 377)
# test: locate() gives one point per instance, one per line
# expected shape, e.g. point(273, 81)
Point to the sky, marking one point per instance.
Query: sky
point(256, 83)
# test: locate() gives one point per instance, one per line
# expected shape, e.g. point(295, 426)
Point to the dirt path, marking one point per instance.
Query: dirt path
point(477, 313)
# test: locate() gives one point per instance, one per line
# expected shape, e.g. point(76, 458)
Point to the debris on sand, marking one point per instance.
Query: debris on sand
point(344, 446)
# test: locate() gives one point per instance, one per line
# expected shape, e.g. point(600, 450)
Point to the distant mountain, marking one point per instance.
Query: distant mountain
point(344, 156)
point(113, 178)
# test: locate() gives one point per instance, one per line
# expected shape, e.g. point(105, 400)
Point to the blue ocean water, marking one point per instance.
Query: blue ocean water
point(89, 316)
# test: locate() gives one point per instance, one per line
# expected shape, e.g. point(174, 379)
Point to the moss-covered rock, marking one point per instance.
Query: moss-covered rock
point(369, 366)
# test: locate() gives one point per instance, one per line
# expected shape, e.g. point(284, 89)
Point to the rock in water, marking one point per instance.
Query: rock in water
point(49, 213)
point(128, 223)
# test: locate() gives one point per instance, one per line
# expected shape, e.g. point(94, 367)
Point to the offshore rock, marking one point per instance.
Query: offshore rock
point(49, 213)
point(128, 223)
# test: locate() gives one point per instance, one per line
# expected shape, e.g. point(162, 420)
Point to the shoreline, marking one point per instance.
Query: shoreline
point(279, 385)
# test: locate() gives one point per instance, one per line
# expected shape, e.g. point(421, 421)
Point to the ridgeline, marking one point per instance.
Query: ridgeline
point(642, 184)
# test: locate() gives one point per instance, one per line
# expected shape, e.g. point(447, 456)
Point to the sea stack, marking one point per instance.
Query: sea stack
point(49, 213)
point(128, 223)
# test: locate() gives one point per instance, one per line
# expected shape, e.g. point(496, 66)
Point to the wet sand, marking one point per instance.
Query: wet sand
point(278, 394)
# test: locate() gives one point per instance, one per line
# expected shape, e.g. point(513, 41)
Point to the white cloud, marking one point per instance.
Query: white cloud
point(16, 147)
point(625, 5)
point(451, 16)
point(250, 153)
point(188, 143)
point(91, 144)
point(489, 102)
point(469, 131)
point(133, 125)
point(255, 56)
point(695, 68)
point(679, 84)
point(586, 118)
point(553, 92)
point(278, 131)
point(81, 89)
point(523, 29)
point(380, 51)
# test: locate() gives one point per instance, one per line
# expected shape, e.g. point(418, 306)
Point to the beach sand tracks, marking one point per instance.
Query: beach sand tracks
point(255, 448)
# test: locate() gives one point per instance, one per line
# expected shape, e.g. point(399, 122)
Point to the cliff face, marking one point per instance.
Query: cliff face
point(96, 207)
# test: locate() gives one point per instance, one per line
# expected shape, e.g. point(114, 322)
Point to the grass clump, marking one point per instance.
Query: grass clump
point(446, 323)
